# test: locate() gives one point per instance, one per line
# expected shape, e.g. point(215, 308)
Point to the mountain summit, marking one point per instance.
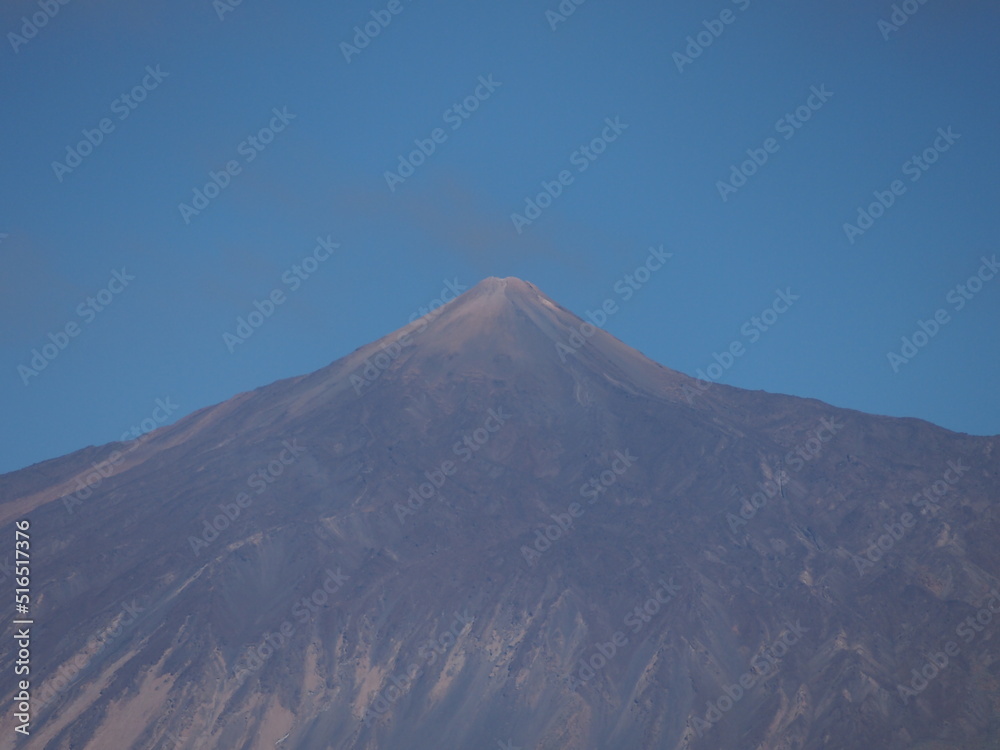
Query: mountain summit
point(500, 525)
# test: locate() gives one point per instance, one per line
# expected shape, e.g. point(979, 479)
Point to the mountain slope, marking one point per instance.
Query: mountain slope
point(499, 524)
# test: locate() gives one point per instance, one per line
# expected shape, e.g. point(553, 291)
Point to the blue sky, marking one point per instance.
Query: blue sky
point(554, 83)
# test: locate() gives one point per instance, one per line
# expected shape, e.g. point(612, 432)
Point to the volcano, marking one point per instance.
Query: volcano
point(500, 526)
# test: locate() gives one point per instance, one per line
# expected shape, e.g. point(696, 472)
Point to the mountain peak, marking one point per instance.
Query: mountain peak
point(508, 330)
point(506, 286)
point(500, 281)
point(503, 281)
point(491, 496)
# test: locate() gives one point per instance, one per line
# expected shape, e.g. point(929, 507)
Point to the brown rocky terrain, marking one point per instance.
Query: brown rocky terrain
point(499, 527)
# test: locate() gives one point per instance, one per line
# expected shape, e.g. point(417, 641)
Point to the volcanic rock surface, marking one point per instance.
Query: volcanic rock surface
point(498, 527)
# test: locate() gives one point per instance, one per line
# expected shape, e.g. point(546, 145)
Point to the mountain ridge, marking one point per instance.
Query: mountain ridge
point(438, 554)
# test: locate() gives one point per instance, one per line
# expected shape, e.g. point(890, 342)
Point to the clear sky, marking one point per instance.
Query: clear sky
point(182, 87)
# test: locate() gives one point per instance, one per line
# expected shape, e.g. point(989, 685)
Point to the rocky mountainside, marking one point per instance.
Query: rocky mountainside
point(502, 527)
